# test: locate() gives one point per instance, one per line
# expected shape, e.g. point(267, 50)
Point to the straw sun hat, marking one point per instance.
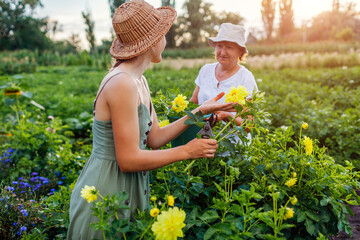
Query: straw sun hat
point(231, 33)
point(138, 27)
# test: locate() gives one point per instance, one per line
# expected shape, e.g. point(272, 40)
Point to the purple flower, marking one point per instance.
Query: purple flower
point(25, 213)
point(50, 117)
point(62, 178)
point(15, 223)
point(45, 182)
point(10, 188)
point(23, 228)
point(15, 182)
point(7, 160)
point(60, 182)
point(52, 190)
point(58, 173)
point(31, 200)
point(22, 191)
point(34, 174)
point(20, 178)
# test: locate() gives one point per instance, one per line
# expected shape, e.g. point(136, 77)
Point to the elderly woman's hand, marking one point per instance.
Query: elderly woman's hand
point(211, 105)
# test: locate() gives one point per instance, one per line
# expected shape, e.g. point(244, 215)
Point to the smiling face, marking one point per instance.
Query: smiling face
point(227, 53)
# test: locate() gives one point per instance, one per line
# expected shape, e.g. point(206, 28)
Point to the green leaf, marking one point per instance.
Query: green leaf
point(324, 216)
point(276, 170)
point(286, 225)
point(200, 124)
point(259, 168)
point(199, 116)
point(210, 215)
point(191, 115)
point(314, 216)
point(325, 201)
point(211, 231)
point(228, 144)
point(301, 216)
point(310, 227)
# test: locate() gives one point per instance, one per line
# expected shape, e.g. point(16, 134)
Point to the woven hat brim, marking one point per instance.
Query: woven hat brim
point(123, 51)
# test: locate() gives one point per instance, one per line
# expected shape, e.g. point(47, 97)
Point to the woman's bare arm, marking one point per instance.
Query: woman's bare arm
point(194, 97)
point(122, 99)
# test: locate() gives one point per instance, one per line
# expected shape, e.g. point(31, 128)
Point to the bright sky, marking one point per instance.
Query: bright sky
point(68, 13)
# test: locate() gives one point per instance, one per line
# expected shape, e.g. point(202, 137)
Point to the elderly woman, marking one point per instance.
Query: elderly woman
point(218, 77)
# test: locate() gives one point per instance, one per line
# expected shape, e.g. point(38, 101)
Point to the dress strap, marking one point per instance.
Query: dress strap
point(147, 88)
point(103, 88)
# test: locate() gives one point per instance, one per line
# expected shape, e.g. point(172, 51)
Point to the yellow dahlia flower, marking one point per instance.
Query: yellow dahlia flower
point(308, 145)
point(179, 104)
point(304, 125)
point(289, 213)
point(171, 200)
point(291, 182)
point(89, 193)
point(294, 201)
point(237, 95)
point(169, 224)
point(164, 123)
point(154, 212)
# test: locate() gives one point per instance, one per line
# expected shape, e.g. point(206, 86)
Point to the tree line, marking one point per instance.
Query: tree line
point(19, 29)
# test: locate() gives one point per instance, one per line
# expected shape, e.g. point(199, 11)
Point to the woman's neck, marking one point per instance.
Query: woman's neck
point(228, 68)
point(224, 72)
point(136, 66)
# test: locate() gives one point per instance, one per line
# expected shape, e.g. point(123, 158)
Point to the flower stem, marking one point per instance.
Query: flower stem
point(145, 230)
point(222, 130)
point(300, 141)
point(189, 166)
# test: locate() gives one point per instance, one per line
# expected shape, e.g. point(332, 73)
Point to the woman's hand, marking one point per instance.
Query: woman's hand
point(212, 105)
point(224, 116)
point(201, 148)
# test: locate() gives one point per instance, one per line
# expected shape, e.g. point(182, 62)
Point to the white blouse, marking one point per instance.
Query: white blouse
point(210, 86)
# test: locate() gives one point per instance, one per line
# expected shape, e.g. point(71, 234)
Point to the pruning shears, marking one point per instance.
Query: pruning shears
point(206, 131)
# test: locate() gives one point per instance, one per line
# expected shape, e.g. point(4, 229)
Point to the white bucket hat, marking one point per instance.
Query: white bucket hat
point(231, 33)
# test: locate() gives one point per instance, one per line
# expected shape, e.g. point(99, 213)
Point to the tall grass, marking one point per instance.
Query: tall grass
point(324, 54)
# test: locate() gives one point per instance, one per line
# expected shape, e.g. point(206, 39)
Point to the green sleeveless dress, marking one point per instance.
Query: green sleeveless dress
point(102, 171)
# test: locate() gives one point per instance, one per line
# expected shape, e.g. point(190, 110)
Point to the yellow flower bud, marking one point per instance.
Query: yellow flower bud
point(154, 212)
point(294, 201)
point(304, 125)
point(171, 201)
point(291, 182)
point(153, 198)
point(289, 213)
point(294, 174)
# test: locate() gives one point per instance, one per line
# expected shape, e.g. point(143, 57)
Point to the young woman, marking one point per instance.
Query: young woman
point(125, 121)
